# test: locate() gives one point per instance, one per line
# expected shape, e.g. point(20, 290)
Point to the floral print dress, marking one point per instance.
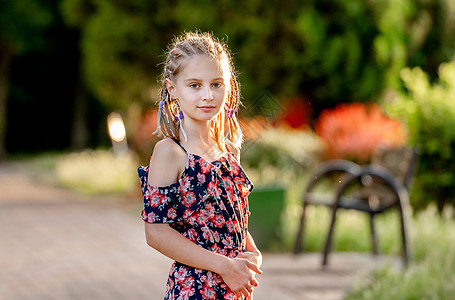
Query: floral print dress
point(209, 206)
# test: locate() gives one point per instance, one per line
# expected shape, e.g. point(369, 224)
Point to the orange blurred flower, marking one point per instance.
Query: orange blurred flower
point(252, 127)
point(355, 131)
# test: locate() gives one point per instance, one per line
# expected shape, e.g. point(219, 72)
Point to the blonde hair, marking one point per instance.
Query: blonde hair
point(224, 125)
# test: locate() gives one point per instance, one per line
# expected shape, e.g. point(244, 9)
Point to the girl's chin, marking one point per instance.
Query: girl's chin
point(205, 117)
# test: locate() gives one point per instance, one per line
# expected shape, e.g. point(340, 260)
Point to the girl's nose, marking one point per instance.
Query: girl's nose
point(207, 94)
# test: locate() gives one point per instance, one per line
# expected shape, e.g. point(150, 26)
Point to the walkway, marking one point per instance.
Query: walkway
point(57, 244)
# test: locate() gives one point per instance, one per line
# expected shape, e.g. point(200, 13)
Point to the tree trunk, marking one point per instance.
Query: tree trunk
point(79, 134)
point(5, 59)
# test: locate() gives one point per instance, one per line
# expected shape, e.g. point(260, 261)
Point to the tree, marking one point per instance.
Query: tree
point(328, 51)
point(122, 43)
point(21, 25)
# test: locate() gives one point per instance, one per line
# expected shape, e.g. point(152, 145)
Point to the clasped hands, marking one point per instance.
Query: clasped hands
point(240, 273)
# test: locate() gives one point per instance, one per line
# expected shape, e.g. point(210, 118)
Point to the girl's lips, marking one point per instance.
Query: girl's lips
point(206, 108)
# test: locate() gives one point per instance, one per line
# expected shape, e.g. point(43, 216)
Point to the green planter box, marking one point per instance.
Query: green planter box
point(266, 205)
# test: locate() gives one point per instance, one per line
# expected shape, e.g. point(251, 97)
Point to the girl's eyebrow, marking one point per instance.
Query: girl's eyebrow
point(196, 79)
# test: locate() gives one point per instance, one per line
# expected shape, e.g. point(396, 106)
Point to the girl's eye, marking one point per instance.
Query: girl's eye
point(194, 85)
point(217, 85)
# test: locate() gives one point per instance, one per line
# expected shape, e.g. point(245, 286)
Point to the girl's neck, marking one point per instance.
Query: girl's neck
point(200, 141)
point(197, 131)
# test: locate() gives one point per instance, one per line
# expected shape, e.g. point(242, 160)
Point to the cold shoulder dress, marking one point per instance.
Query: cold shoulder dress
point(209, 206)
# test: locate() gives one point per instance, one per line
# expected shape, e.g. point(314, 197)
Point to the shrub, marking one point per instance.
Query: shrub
point(275, 159)
point(429, 112)
point(355, 131)
point(430, 276)
point(278, 155)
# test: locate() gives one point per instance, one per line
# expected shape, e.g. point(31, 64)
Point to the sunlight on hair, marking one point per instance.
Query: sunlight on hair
point(226, 69)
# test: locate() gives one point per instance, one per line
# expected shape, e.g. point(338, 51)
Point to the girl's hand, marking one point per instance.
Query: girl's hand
point(238, 275)
point(255, 257)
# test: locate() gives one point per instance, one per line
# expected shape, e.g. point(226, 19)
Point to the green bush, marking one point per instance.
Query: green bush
point(325, 50)
point(429, 112)
point(430, 276)
point(280, 155)
point(279, 158)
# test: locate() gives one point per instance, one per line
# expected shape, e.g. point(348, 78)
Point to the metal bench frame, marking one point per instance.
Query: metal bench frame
point(396, 181)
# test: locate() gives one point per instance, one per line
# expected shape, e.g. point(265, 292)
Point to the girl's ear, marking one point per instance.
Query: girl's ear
point(170, 88)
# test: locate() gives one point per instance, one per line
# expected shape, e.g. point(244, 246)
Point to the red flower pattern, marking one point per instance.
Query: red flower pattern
point(201, 178)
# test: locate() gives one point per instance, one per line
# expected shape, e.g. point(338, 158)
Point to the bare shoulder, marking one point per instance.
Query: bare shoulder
point(167, 147)
point(233, 149)
point(166, 164)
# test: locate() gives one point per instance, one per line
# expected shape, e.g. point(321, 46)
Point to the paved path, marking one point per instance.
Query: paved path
point(57, 244)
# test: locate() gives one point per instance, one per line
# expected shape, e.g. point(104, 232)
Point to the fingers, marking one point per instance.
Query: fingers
point(251, 256)
point(242, 282)
point(247, 290)
point(254, 282)
point(250, 287)
point(254, 267)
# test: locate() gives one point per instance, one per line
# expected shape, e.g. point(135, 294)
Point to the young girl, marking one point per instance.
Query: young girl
point(195, 191)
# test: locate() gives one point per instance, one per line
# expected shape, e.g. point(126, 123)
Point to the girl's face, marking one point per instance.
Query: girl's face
point(200, 88)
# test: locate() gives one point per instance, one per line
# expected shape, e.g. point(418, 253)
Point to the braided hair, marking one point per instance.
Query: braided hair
point(225, 125)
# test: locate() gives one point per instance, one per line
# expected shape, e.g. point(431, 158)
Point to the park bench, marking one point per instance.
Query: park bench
point(373, 189)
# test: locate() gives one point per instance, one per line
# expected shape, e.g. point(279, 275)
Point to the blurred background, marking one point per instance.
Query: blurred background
point(319, 79)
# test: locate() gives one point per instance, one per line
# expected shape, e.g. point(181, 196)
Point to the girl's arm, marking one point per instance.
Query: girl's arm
point(235, 272)
point(252, 252)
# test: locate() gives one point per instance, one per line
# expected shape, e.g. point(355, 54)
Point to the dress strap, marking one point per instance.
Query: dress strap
point(180, 145)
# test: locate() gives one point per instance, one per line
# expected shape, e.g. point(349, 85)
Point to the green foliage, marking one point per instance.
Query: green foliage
point(430, 276)
point(329, 51)
point(121, 47)
point(22, 23)
point(279, 155)
point(429, 112)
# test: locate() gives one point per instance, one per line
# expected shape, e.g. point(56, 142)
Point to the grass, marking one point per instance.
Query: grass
point(97, 171)
point(351, 229)
point(431, 275)
point(42, 162)
point(89, 171)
